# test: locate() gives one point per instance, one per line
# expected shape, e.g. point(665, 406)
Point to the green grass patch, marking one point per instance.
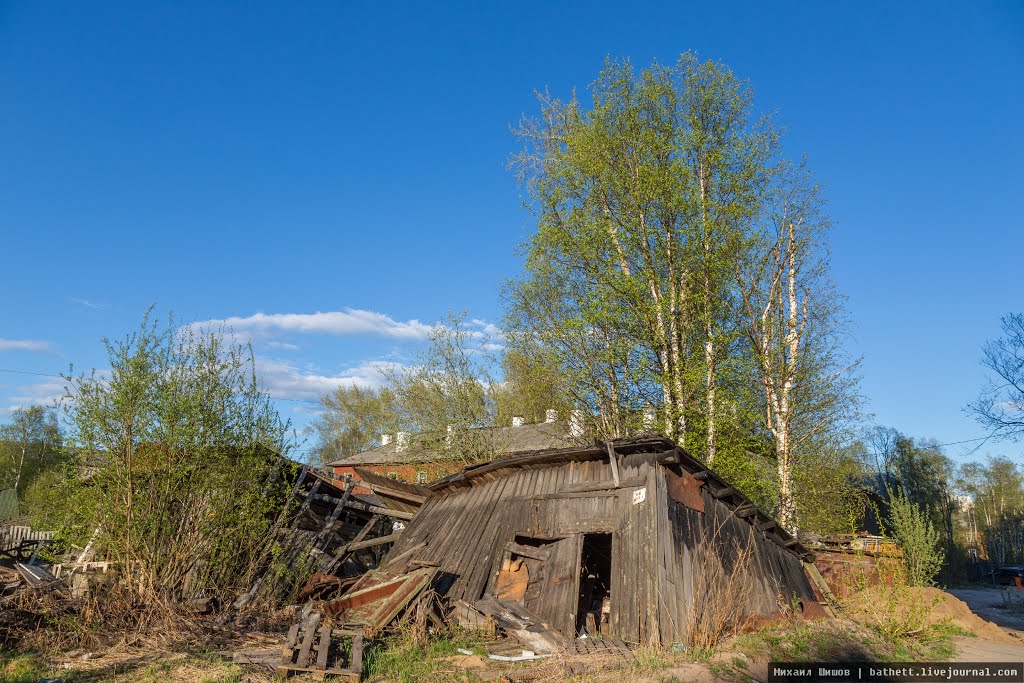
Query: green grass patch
point(21, 667)
point(400, 659)
point(836, 641)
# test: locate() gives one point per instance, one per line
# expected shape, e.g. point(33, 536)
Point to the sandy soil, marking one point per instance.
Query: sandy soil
point(987, 603)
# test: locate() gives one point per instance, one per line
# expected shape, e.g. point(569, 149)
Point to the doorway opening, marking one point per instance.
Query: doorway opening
point(594, 605)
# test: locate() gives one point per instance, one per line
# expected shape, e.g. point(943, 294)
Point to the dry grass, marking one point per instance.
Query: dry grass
point(719, 591)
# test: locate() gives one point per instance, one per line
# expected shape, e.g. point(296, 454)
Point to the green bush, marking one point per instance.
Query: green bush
point(922, 555)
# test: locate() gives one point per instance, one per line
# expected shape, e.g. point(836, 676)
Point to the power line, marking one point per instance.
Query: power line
point(44, 374)
point(26, 372)
point(313, 402)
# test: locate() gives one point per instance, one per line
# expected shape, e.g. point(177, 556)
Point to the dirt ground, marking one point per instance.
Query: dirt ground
point(988, 604)
point(999, 637)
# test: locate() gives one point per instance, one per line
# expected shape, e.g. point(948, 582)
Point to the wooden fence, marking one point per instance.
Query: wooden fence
point(13, 536)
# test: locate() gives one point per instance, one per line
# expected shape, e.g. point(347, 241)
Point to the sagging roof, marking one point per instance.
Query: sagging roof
point(396, 494)
point(527, 437)
point(667, 453)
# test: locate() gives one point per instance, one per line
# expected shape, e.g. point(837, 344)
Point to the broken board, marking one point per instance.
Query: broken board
point(319, 650)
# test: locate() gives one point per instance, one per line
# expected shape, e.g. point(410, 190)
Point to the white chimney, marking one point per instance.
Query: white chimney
point(650, 417)
point(402, 441)
point(517, 421)
point(385, 439)
point(576, 423)
point(550, 415)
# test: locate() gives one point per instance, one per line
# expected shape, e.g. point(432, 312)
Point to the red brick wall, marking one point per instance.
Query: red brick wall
point(404, 472)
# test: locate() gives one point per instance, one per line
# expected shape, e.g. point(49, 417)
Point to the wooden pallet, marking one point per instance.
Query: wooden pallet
point(311, 648)
point(612, 651)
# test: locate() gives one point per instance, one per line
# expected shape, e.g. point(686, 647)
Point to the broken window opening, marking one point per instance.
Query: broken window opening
point(594, 603)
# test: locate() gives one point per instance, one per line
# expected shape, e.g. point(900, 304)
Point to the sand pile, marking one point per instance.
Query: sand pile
point(919, 608)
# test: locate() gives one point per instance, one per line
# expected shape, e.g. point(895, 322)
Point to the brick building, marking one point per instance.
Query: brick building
point(404, 459)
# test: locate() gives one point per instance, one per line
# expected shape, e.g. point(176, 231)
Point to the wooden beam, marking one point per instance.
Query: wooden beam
point(395, 493)
point(529, 551)
point(599, 486)
point(723, 492)
point(390, 538)
point(670, 457)
point(614, 460)
point(366, 507)
point(746, 510)
point(577, 494)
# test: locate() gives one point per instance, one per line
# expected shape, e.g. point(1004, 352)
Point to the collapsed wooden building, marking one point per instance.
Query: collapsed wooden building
point(629, 539)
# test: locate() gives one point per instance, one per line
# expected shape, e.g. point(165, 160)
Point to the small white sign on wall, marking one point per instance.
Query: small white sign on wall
point(639, 496)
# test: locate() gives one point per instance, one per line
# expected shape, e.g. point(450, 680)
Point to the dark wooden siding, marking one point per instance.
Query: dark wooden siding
point(774, 573)
point(654, 542)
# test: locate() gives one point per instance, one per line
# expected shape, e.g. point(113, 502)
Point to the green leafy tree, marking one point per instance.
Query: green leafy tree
point(352, 421)
point(531, 384)
point(680, 263)
point(994, 519)
point(641, 201)
point(444, 398)
point(29, 444)
point(182, 450)
point(919, 539)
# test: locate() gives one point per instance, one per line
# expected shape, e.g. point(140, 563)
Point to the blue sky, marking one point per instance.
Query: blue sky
point(232, 159)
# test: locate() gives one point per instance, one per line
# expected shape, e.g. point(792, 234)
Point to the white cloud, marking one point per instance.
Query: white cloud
point(487, 329)
point(44, 393)
point(286, 380)
point(349, 321)
point(89, 304)
point(284, 346)
point(32, 345)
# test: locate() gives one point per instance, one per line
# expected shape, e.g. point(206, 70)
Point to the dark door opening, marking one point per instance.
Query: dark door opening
point(594, 611)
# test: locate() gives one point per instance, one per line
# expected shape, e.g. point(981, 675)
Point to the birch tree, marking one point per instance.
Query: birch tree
point(680, 263)
point(639, 201)
point(29, 443)
point(793, 322)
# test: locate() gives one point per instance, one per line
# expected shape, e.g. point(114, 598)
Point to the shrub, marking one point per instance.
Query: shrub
point(922, 555)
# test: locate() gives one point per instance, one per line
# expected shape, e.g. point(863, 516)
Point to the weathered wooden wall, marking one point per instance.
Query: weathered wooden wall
point(654, 543)
point(685, 535)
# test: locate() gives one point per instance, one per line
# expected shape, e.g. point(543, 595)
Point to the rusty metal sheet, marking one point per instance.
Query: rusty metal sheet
point(377, 605)
point(685, 489)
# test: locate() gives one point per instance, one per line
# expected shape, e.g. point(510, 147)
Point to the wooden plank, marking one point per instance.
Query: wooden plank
point(395, 493)
point(613, 460)
point(380, 540)
point(394, 560)
point(308, 638)
point(293, 637)
point(367, 507)
point(528, 551)
point(599, 485)
point(558, 606)
point(322, 647)
point(356, 661)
